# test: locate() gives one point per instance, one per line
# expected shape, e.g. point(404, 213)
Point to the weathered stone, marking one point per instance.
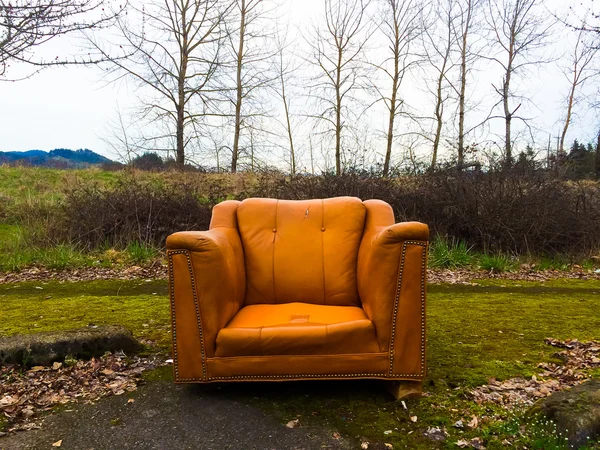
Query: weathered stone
point(43, 349)
point(576, 412)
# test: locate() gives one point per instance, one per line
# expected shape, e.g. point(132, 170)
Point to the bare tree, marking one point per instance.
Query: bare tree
point(27, 24)
point(463, 32)
point(283, 69)
point(438, 46)
point(250, 49)
point(579, 72)
point(337, 52)
point(597, 158)
point(400, 24)
point(519, 31)
point(121, 139)
point(175, 55)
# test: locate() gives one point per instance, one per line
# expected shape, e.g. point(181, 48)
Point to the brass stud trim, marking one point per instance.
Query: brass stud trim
point(170, 254)
point(397, 300)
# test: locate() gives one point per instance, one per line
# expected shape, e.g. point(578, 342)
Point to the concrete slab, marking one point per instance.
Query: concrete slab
point(166, 416)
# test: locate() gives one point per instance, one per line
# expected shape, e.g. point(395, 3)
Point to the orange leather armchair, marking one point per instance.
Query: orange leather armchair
point(291, 290)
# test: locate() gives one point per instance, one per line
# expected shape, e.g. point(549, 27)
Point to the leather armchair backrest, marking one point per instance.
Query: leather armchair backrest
point(301, 251)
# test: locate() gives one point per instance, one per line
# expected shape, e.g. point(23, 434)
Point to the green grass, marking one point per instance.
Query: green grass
point(140, 306)
point(17, 254)
point(492, 330)
point(449, 253)
point(496, 263)
point(139, 253)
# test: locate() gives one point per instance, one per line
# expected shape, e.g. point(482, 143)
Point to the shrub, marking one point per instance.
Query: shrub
point(132, 211)
point(492, 212)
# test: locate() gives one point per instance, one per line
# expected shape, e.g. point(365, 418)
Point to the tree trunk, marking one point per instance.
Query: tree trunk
point(439, 106)
point(238, 101)
point(506, 92)
point(289, 128)
point(507, 122)
point(390, 134)
point(180, 107)
point(338, 115)
point(463, 86)
point(597, 168)
point(568, 119)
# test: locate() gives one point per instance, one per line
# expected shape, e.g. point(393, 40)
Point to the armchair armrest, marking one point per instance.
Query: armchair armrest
point(391, 284)
point(207, 282)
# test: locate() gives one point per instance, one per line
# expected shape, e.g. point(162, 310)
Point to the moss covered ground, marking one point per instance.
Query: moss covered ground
point(494, 329)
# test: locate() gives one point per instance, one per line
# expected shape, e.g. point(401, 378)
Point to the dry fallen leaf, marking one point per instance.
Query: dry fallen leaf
point(477, 443)
point(57, 443)
point(293, 423)
point(461, 443)
point(577, 357)
point(131, 400)
point(388, 445)
point(364, 445)
point(413, 418)
point(23, 395)
point(473, 423)
point(336, 435)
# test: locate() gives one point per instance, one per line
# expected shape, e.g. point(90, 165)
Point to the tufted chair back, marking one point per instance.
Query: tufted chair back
point(301, 251)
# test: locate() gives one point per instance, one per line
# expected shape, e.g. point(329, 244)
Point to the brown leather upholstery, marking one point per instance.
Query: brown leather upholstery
point(301, 251)
point(280, 289)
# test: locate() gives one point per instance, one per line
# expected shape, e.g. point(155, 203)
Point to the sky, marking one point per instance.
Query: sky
point(71, 107)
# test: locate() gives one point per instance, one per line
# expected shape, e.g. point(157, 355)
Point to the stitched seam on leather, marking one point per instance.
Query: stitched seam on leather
point(338, 375)
point(423, 315)
point(198, 316)
point(396, 300)
point(273, 255)
point(193, 283)
point(365, 355)
point(323, 251)
point(423, 274)
point(173, 325)
point(301, 376)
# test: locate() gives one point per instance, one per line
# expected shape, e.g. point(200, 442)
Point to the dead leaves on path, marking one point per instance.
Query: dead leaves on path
point(577, 357)
point(25, 394)
point(467, 276)
point(157, 270)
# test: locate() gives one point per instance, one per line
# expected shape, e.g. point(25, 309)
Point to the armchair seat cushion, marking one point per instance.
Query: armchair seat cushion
point(297, 329)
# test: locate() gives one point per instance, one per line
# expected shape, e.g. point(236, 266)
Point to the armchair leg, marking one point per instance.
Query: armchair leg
point(405, 389)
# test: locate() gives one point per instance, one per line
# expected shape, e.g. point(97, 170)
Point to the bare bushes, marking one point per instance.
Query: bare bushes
point(509, 212)
point(144, 212)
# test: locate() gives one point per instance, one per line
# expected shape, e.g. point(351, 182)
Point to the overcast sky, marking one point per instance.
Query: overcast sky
point(69, 107)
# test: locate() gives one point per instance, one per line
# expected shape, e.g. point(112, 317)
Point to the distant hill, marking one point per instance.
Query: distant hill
point(58, 158)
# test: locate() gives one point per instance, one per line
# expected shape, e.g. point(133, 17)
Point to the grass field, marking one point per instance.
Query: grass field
point(492, 330)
